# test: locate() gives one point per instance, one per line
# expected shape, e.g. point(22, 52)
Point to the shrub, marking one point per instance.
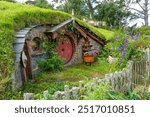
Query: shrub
point(51, 64)
point(97, 92)
point(53, 61)
point(57, 86)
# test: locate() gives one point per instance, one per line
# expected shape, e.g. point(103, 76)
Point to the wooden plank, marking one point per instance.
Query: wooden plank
point(81, 31)
point(55, 28)
point(96, 39)
point(88, 35)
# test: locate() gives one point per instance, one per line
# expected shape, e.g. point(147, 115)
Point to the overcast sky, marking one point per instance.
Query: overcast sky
point(139, 21)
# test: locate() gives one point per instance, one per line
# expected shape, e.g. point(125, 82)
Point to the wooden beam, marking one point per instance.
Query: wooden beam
point(81, 31)
point(96, 39)
point(88, 35)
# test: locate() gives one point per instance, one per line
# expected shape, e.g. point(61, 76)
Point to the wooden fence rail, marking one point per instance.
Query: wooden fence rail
point(136, 73)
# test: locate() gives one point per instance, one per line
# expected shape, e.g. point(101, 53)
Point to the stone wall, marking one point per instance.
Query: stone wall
point(78, 54)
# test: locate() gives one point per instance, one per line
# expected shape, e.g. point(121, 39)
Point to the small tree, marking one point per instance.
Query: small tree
point(42, 4)
point(113, 13)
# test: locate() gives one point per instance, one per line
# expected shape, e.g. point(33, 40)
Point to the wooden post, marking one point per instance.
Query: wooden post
point(130, 79)
point(113, 82)
point(58, 95)
point(66, 92)
point(45, 94)
point(75, 93)
point(81, 84)
point(100, 81)
point(120, 81)
point(28, 96)
point(148, 62)
point(110, 77)
point(116, 81)
point(95, 80)
point(124, 81)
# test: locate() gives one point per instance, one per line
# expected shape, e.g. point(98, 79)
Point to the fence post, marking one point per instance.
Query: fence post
point(67, 92)
point(58, 95)
point(148, 61)
point(45, 94)
point(100, 81)
point(95, 81)
point(75, 93)
point(28, 96)
point(113, 82)
point(124, 81)
point(130, 79)
point(120, 86)
point(116, 81)
point(81, 84)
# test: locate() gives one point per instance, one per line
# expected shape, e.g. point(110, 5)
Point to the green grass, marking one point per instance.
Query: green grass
point(55, 81)
point(69, 75)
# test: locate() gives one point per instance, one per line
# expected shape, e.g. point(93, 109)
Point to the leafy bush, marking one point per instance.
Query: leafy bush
point(51, 64)
point(97, 92)
point(58, 86)
point(125, 47)
point(53, 61)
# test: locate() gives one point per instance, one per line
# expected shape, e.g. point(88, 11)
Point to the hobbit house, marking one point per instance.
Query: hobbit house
point(23, 30)
point(71, 47)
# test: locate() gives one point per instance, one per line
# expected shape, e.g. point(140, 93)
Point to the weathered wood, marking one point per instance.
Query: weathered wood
point(58, 95)
point(45, 94)
point(81, 84)
point(75, 93)
point(96, 39)
point(130, 80)
point(100, 81)
point(53, 29)
point(113, 82)
point(116, 80)
point(95, 80)
point(66, 92)
point(88, 36)
point(28, 96)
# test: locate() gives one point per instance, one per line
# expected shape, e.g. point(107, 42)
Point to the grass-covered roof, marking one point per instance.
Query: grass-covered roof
point(14, 17)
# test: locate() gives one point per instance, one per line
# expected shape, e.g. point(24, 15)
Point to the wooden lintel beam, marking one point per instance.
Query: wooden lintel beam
point(81, 31)
point(96, 39)
point(89, 35)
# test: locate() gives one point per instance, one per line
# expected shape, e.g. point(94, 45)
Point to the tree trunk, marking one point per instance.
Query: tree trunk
point(91, 10)
point(146, 19)
point(146, 12)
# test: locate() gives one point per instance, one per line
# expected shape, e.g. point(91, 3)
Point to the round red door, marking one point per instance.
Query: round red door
point(65, 49)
